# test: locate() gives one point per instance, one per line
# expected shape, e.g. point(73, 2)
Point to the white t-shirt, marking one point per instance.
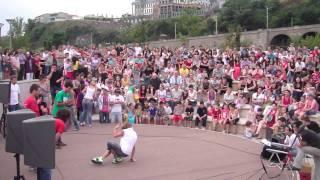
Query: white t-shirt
point(292, 141)
point(116, 99)
point(137, 50)
point(89, 93)
point(228, 97)
point(128, 141)
point(14, 94)
point(258, 97)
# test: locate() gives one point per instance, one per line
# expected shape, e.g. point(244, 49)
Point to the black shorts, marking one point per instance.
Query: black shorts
point(233, 121)
point(116, 149)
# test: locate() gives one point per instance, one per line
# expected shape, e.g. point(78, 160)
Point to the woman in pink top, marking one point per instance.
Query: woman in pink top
point(257, 73)
point(237, 70)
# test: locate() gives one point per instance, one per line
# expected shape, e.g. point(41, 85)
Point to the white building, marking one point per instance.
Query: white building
point(55, 17)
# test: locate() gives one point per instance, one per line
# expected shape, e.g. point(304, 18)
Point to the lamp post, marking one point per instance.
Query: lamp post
point(175, 30)
point(267, 14)
point(1, 25)
point(216, 18)
point(10, 29)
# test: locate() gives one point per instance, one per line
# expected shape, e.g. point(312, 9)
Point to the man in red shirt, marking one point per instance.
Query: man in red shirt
point(31, 101)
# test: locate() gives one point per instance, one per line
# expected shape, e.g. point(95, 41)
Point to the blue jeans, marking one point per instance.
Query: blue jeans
point(116, 117)
point(43, 174)
point(104, 117)
point(53, 92)
point(73, 119)
point(13, 107)
point(86, 115)
point(47, 69)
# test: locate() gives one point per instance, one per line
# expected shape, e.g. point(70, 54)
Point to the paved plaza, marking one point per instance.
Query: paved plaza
point(162, 153)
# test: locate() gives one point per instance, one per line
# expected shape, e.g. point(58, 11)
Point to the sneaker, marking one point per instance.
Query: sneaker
point(97, 160)
point(61, 143)
point(117, 160)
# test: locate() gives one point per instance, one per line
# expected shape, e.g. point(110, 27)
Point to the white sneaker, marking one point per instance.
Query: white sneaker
point(97, 160)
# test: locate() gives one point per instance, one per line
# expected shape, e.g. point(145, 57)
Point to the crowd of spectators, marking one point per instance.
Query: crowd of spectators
point(194, 87)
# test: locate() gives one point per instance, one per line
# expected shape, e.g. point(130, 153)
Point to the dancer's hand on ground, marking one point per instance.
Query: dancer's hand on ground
point(133, 160)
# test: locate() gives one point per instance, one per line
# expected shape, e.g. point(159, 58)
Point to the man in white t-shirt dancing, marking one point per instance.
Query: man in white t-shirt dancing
point(124, 149)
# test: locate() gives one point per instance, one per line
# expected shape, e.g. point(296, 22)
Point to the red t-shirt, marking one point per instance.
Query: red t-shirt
point(59, 126)
point(216, 113)
point(31, 103)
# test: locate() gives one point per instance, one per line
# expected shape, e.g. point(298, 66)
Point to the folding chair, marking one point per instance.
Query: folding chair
point(279, 157)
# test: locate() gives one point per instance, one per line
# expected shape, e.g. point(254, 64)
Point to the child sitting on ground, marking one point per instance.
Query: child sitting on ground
point(249, 130)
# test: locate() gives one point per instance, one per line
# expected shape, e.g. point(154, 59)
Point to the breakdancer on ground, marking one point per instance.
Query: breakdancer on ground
point(124, 149)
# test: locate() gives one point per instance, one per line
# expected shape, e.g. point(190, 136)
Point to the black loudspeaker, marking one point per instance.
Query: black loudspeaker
point(39, 142)
point(5, 87)
point(14, 140)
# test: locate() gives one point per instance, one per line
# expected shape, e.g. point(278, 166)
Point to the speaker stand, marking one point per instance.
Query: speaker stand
point(3, 120)
point(18, 176)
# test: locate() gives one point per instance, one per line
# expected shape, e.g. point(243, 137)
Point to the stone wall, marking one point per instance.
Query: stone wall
point(261, 37)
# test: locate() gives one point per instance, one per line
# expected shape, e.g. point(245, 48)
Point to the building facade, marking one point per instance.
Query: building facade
point(163, 9)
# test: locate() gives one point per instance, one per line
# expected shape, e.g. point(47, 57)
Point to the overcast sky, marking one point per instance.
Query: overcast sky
point(32, 8)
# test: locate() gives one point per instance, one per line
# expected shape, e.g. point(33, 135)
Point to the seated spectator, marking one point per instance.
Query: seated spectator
point(249, 130)
point(228, 97)
point(189, 112)
point(291, 140)
point(177, 114)
point(225, 116)
point(202, 115)
point(234, 118)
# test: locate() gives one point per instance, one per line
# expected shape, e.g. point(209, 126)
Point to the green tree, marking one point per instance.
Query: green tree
point(29, 26)
point(17, 26)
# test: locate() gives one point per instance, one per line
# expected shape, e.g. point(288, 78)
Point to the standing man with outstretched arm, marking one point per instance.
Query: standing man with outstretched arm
point(126, 147)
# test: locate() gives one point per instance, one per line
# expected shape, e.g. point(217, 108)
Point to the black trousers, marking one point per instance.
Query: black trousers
point(203, 122)
point(22, 73)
